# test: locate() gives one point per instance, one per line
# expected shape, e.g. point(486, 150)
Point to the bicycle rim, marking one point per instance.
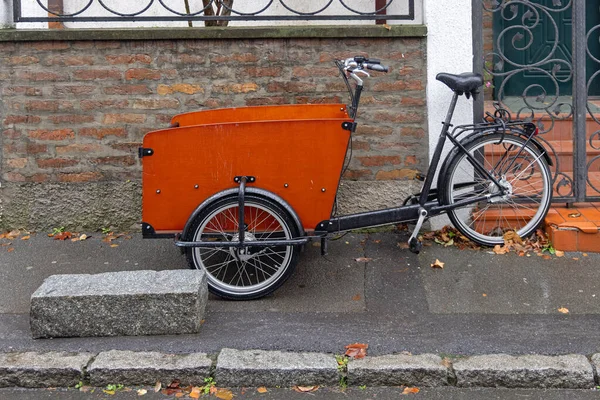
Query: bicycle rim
point(522, 172)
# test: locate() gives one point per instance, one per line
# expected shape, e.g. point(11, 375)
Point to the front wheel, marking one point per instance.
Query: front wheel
point(518, 167)
point(248, 272)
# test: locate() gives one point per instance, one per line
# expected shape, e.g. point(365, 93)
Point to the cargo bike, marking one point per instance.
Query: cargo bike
point(243, 189)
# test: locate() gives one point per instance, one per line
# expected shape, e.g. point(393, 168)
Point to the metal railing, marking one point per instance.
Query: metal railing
point(329, 10)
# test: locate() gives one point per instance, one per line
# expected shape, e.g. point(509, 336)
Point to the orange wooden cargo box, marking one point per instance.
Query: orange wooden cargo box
point(294, 151)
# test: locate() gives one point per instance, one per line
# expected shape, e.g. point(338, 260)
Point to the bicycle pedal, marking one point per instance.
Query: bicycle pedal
point(415, 245)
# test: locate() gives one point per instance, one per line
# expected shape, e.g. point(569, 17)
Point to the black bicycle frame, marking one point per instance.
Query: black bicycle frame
point(411, 212)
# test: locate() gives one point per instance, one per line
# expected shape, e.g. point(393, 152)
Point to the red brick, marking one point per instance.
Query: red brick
point(379, 161)
point(124, 118)
point(35, 148)
point(293, 87)
point(118, 161)
point(101, 133)
point(11, 133)
point(21, 119)
point(48, 105)
point(73, 90)
point(129, 59)
point(59, 134)
point(142, 74)
point(108, 44)
point(18, 163)
point(410, 160)
point(22, 90)
point(412, 101)
point(50, 45)
point(265, 101)
point(128, 147)
point(155, 104)
point(236, 57)
point(360, 145)
point(357, 174)
point(179, 88)
point(88, 105)
point(80, 177)
point(317, 100)
point(127, 89)
point(71, 119)
point(256, 72)
point(23, 60)
point(39, 178)
point(96, 74)
point(414, 132)
point(42, 76)
point(78, 148)
point(375, 131)
point(396, 174)
point(14, 177)
point(69, 60)
point(304, 72)
point(56, 162)
point(236, 88)
point(399, 117)
point(191, 59)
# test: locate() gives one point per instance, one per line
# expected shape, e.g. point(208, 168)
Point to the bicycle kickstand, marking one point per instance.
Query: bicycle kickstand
point(414, 244)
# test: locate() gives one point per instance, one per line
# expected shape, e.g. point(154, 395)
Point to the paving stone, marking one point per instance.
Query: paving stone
point(119, 303)
point(528, 371)
point(50, 369)
point(275, 368)
point(146, 368)
point(398, 369)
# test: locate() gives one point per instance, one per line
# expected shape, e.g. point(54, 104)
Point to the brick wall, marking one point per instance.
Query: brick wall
point(74, 112)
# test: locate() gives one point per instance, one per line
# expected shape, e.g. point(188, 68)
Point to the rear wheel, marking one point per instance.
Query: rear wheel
point(247, 272)
point(519, 168)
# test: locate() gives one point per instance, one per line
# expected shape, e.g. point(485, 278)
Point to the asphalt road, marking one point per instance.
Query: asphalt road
point(480, 303)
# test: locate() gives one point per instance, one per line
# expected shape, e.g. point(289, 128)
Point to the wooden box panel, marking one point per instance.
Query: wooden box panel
point(307, 155)
point(261, 113)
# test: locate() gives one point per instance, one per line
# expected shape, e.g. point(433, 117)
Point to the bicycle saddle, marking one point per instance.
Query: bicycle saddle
point(467, 82)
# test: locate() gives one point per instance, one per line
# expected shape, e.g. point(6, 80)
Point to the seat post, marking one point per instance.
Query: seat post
point(450, 112)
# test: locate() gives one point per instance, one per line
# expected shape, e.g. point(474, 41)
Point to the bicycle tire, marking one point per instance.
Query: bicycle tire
point(246, 273)
point(525, 174)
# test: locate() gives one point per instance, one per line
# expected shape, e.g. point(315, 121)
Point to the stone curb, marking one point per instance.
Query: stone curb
point(233, 368)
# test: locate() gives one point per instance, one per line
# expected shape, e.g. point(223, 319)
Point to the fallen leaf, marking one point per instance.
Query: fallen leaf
point(575, 215)
point(83, 237)
point(546, 257)
point(195, 393)
point(363, 259)
point(13, 234)
point(403, 245)
point(114, 245)
point(305, 389)
point(438, 264)
point(559, 253)
point(585, 254)
point(180, 394)
point(484, 295)
point(157, 387)
point(563, 310)
point(409, 390)
point(377, 241)
point(10, 249)
point(141, 392)
point(224, 394)
point(356, 297)
point(262, 389)
point(356, 350)
point(26, 237)
point(388, 27)
point(62, 236)
point(449, 243)
point(110, 392)
point(501, 249)
point(576, 258)
point(75, 239)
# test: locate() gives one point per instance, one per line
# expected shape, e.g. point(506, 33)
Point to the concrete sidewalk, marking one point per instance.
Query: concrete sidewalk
point(480, 304)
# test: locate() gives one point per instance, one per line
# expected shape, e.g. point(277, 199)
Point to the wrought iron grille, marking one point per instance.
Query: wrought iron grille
point(100, 10)
point(543, 64)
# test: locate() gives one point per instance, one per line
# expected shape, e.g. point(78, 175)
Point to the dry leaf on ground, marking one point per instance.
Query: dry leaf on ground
point(26, 237)
point(224, 394)
point(438, 264)
point(364, 259)
point(195, 393)
point(141, 392)
point(157, 387)
point(262, 389)
point(563, 310)
point(409, 390)
point(356, 350)
point(356, 297)
point(305, 389)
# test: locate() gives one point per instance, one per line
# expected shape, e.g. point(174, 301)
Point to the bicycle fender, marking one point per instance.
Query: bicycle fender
point(472, 137)
point(234, 192)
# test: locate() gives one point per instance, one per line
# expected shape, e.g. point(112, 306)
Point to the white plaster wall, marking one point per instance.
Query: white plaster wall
point(6, 20)
point(449, 49)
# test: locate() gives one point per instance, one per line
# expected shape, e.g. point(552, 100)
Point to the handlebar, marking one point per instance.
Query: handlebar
point(377, 67)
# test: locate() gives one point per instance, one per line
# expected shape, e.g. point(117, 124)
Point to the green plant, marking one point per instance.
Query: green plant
point(56, 231)
point(79, 385)
point(362, 387)
point(342, 366)
point(209, 383)
point(105, 231)
point(549, 248)
point(114, 387)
